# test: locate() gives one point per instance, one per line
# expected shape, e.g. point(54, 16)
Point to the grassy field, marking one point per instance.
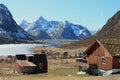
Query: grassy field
point(59, 69)
point(71, 52)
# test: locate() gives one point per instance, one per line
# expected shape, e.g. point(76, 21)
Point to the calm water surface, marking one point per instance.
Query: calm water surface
point(12, 49)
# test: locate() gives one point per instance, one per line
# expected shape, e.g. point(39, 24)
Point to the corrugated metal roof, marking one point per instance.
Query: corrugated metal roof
point(24, 63)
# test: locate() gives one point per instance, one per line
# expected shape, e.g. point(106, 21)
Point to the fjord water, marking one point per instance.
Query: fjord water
point(12, 49)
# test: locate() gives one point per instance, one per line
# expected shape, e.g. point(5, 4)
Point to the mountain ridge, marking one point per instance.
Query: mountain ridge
point(111, 30)
point(8, 27)
point(57, 30)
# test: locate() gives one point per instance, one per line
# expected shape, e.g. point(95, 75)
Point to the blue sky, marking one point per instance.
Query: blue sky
point(92, 14)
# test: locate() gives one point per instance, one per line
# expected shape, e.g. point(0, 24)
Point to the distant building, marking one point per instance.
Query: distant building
point(30, 63)
point(103, 57)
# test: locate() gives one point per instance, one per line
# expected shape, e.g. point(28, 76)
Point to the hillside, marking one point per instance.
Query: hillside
point(9, 29)
point(111, 30)
point(3, 39)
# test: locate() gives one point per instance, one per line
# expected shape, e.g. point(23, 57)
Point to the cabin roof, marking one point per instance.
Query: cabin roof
point(21, 57)
point(24, 63)
point(112, 46)
point(29, 55)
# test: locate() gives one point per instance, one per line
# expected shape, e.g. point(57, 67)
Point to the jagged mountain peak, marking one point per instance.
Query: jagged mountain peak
point(24, 21)
point(57, 30)
point(8, 26)
point(41, 20)
point(6, 20)
point(24, 24)
point(4, 13)
point(3, 7)
point(66, 21)
point(110, 31)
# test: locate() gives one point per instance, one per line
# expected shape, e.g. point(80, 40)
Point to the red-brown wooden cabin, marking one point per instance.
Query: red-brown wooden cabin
point(31, 63)
point(103, 57)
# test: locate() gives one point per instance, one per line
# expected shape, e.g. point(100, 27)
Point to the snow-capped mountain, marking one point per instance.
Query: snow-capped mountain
point(80, 31)
point(8, 26)
point(24, 24)
point(64, 31)
point(40, 34)
point(68, 30)
point(39, 24)
point(44, 29)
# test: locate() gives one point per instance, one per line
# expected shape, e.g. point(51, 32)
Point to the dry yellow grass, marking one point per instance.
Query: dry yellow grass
point(61, 50)
point(39, 77)
point(58, 70)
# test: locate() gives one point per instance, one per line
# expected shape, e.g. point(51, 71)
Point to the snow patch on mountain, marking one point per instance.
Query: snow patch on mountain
point(8, 26)
point(24, 24)
point(57, 29)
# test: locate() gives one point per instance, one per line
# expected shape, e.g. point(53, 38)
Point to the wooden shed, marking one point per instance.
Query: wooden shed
point(103, 57)
point(31, 63)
